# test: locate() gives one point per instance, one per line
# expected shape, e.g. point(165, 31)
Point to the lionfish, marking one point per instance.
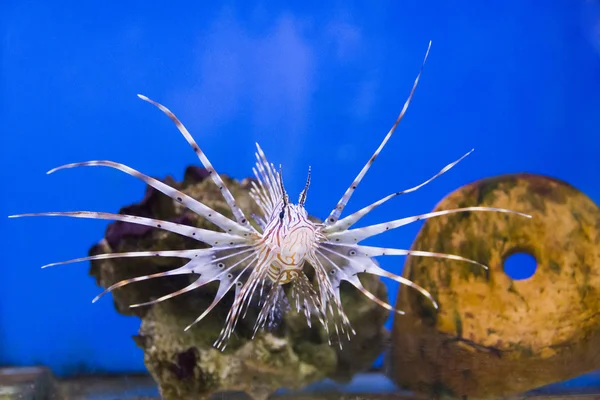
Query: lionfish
point(275, 250)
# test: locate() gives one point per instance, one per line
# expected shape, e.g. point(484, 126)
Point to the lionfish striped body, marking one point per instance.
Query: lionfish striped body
point(260, 261)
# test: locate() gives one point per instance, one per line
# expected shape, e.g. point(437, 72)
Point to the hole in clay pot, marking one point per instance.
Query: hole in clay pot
point(519, 266)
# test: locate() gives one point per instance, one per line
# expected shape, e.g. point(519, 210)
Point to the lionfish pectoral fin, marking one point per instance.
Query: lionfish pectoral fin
point(352, 219)
point(374, 269)
point(339, 208)
point(354, 236)
point(382, 251)
point(363, 257)
point(188, 288)
point(178, 271)
point(349, 272)
point(245, 293)
point(189, 254)
point(194, 205)
point(229, 278)
point(209, 264)
point(224, 288)
point(237, 211)
point(203, 235)
point(329, 290)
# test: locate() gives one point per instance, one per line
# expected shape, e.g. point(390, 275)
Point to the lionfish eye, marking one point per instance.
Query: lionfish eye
point(281, 214)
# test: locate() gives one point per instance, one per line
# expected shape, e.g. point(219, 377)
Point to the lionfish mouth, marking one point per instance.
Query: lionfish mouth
point(240, 260)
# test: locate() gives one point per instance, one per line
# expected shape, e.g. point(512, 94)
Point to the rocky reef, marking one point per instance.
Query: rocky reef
point(184, 364)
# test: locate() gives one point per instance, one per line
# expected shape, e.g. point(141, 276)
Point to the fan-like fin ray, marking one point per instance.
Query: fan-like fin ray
point(347, 273)
point(209, 264)
point(202, 235)
point(369, 251)
point(350, 220)
point(256, 275)
point(178, 271)
point(237, 211)
point(189, 254)
point(192, 286)
point(357, 235)
point(360, 262)
point(199, 208)
point(232, 278)
point(329, 294)
point(339, 208)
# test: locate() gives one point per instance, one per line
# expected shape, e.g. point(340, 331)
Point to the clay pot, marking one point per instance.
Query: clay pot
point(493, 335)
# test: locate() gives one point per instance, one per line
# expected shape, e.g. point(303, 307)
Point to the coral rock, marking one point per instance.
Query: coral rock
point(184, 364)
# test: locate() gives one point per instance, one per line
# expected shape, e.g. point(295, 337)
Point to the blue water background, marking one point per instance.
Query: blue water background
point(314, 84)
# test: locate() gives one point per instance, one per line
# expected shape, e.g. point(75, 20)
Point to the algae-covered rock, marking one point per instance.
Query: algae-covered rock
point(184, 364)
point(492, 335)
